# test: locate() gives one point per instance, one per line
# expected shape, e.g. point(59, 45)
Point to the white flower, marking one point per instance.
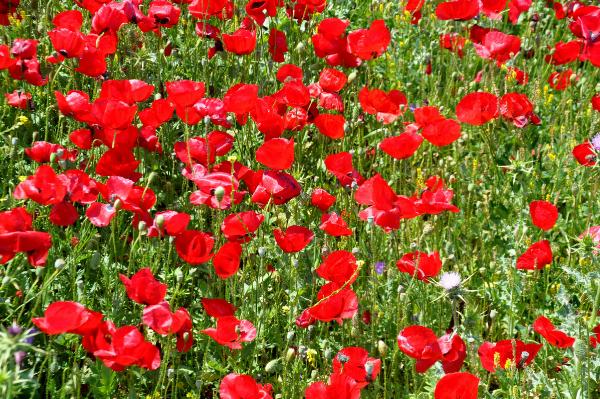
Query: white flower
point(450, 280)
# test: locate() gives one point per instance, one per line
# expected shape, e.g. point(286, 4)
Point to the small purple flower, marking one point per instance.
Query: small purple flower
point(379, 267)
point(14, 329)
point(595, 141)
point(30, 335)
point(412, 107)
point(19, 357)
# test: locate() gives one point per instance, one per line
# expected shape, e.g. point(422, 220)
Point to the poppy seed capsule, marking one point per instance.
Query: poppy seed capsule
point(289, 355)
point(219, 193)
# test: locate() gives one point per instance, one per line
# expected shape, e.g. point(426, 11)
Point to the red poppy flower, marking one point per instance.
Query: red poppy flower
point(516, 8)
point(543, 214)
point(498, 46)
point(321, 199)
point(243, 40)
point(239, 386)
point(564, 53)
point(122, 347)
point(332, 80)
point(334, 303)
point(5, 60)
point(164, 322)
point(454, 352)
point(339, 386)
point(113, 114)
point(68, 317)
point(585, 154)
point(231, 332)
point(555, 337)
point(369, 43)
point(420, 264)
point(504, 353)
point(340, 165)
point(402, 146)
point(71, 19)
point(289, 72)
point(386, 106)
point(334, 225)
point(45, 187)
point(435, 199)
point(457, 386)
point(537, 256)
point(227, 259)
point(331, 43)
point(241, 226)
point(458, 10)
point(75, 104)
point(277, 44)
point(595, 337)
point(42, 151)
point(561, 80)
point(419, 343)
point(204, 9)
point(596, 102)
point(294, 239)
point(68, 43)
point(19, 99)
point(453, 42)
point(184, 93)
point(143, 288)
point(477, 108)
point(354, 362)
point(129, 91)
point(331, 125)
point(169, 223)
point(442, 133)
point(194, 247)
point(118, 162)
point(339, 267)
point(518, 109)
point(277, 187)
point(218, 307)
point(277, 153)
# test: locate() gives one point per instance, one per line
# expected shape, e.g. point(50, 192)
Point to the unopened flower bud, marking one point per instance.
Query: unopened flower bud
point(352, 76)
point(142, 227)
point(59, 263)
point(382, 348)
point(262, 251)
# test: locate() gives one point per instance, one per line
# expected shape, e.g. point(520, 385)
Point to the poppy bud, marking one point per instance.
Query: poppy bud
point(262, 251)
point(382, 348)
point(352, 76)
point(59, 263)
point(14, 141)
point(314, 374)
point(300, 47)
point(142, 227)
point(95, 260)
point(290, 335)
point(53, 157)
point(79, 286)
point(369, 367)
point(170, 373)
point(219, 193)
point(493, 314)
point(289, 355)
point(328, 354)
point(179, 275)
point(273, 366)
